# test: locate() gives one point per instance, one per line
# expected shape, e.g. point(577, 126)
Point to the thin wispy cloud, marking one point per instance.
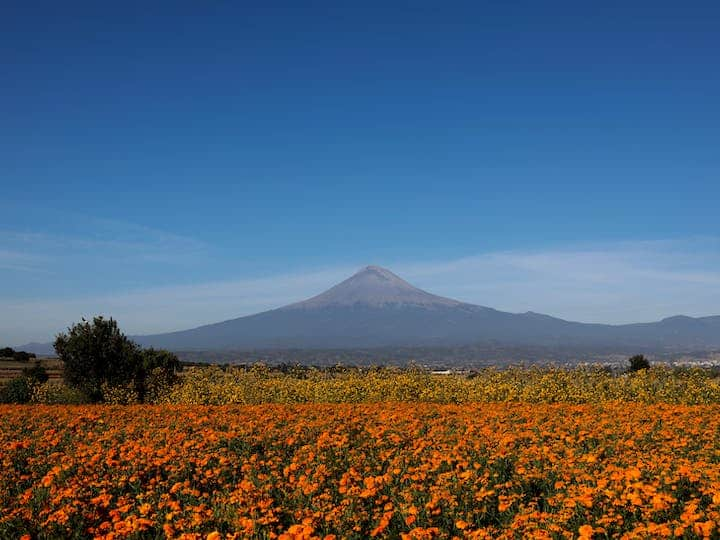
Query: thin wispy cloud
point(19, 261)
point(167, 308)
point(611, 283)
point(92, 257)
point(101, 238)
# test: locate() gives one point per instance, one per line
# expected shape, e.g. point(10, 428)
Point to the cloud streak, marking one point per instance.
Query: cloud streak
point(19, 261)
point(612, 283)
point(101, 238)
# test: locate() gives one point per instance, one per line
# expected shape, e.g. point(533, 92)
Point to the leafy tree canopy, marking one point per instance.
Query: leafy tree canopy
point(94, 353)
point(638, 362)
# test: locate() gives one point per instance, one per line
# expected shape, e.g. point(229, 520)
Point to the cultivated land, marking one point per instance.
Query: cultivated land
point(383, 470)
point(10, 369)
point(292, 452)
point(375, 309)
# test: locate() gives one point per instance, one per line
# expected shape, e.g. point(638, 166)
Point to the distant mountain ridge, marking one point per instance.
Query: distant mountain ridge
point(376, 308)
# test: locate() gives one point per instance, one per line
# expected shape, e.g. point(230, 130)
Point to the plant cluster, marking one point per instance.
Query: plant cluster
point(213, 385)
point(17, 356)
point(105, 365)
point(402, 470)
point(20, 389)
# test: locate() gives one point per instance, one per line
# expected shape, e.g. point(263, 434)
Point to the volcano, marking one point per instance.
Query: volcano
point(376, 308)
point(377, 287)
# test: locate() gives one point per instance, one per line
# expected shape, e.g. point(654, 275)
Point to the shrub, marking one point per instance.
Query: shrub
point(17, 390)
point(22, 356)
point(102, 363)
point(125, 394)
point(638, 362)
point(57, 393)
point(156, 373)
point(7, 352)
point(37, 374)
point(96, 353)
point(158, 385)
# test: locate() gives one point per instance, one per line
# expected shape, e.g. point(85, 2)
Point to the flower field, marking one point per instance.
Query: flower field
point(214, 386)
point(385, 470)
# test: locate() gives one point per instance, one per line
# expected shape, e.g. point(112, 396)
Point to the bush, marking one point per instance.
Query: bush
point(22, 356)
point(17, 390)
point(103, 364)
point(158, 386)
point(157, 372)
point(37, 374)
point(638, 362)
point(57, 393)
point(7, 352)
point(125, 394)
point(97, 353)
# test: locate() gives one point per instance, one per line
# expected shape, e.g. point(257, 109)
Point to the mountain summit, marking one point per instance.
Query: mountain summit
point(375, 308)
point(375, 287)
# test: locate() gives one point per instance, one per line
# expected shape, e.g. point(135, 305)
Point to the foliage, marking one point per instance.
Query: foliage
point(360, 471)
point(159, 383)
point(157, 371)
point(121, 394)
point(18, 356)
point(638, 362)
point(57, 393)
point(213, 385)
point(22, 356)
point(37, 374)
point(16, 390)
point(20, 389)
point(96, 353)
point(103, 364)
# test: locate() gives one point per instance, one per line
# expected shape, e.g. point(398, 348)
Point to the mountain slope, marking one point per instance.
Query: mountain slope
point(376, 308)
point(376, 287)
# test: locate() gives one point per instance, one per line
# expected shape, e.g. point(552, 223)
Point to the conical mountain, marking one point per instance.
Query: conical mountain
point(375, 307)
point(376, 287)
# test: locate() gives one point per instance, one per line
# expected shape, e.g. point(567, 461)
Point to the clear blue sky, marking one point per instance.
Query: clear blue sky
point(180, 144)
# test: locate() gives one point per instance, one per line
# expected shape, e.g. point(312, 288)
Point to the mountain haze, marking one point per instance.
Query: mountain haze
point(376, 308)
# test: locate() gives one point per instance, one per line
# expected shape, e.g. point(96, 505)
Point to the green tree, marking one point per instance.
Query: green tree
point(638, 362)
point(7, 352)
point(22, 356)
point(97, 352)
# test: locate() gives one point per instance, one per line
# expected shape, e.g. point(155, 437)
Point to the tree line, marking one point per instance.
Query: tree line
point(18, 356)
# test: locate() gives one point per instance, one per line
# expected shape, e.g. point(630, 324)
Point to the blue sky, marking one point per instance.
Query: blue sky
point(179, 163)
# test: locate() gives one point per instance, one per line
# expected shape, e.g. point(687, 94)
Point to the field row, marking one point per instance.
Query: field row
point(358, 471)
point(211, 385)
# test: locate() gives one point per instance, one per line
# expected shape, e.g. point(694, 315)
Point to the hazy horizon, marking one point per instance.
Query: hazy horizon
point(619, 282)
